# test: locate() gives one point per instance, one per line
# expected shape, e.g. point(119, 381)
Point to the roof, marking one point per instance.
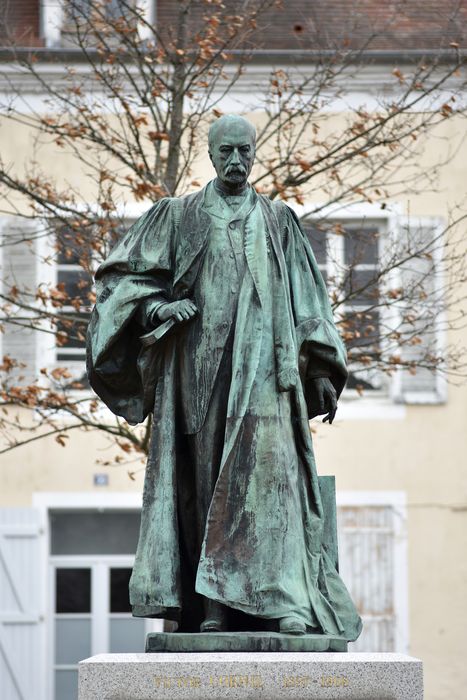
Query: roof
point(300, 27)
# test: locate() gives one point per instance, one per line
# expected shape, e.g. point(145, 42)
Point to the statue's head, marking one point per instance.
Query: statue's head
point(232, 142)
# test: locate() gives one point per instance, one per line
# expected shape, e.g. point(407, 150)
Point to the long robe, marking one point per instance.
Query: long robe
point(262, 552)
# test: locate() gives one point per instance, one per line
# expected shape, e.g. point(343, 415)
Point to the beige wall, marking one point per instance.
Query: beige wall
point(425, 456)
point(46, 466)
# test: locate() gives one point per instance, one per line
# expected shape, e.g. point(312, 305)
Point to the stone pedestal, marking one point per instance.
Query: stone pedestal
point(241, 676)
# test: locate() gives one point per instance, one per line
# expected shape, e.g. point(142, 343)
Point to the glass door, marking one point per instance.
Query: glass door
point(125, 631)
point(91, 615)
point(72, 628)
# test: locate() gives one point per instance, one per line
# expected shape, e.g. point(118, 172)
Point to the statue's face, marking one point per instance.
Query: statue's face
point(232, 153)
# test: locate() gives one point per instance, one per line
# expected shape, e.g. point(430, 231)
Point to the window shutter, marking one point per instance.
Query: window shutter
point(22, 627)
point(421, 277)
point(149, 9)
point(20, 270)
point(51, 22)
point(373, 572)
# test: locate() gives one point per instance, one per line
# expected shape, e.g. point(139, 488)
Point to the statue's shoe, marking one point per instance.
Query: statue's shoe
point(213, 625)
point(215, 617)
point(291, 625)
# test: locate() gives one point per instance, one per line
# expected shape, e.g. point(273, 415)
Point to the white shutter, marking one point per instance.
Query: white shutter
point(19, 268)
point(51, 22)
point(22, 626)
point(421, 276)
point(149, 9)
point(372, 568)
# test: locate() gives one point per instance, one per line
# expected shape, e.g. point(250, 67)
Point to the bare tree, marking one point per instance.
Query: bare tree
point(134, 118)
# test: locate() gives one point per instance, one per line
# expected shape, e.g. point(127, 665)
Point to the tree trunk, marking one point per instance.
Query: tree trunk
point(178, 101)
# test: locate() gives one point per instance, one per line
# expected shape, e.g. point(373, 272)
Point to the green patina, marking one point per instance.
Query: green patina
point(180, 643)
point(212, 315)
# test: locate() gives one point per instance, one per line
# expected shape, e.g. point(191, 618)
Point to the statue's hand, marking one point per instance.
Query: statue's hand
point(181, 310)
point(324, 398)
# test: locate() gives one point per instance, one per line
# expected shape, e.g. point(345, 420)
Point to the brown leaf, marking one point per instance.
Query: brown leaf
point(158, 136)
point(61, 439)
point(125, 446)
point(60, 373)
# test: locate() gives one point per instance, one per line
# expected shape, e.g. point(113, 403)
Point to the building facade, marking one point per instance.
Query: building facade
point(68, 524)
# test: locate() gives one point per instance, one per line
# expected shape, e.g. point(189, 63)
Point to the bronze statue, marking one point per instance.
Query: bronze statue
point(212, 314)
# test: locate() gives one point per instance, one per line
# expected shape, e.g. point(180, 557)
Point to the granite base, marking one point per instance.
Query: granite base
point(241, 676)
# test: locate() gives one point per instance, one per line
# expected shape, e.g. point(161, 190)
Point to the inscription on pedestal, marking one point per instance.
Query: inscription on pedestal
point(251, 676)
point(239, 681)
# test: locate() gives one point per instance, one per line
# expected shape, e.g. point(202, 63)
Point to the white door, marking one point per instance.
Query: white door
point(22, 617)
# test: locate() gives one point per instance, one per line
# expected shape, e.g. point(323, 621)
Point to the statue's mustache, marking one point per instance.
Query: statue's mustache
point(235, 169)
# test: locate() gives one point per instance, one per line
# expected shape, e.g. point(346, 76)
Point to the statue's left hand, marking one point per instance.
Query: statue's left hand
point(324, 399)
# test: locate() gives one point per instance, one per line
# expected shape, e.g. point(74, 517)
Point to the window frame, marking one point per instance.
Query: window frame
point(335, 266)
point(78, 367)
point(53, 21)
point(45, 343)
point(69, 309)
point(390, 404)
point(437, 394)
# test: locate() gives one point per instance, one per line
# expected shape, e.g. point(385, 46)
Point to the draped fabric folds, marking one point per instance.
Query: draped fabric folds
point(262, 551)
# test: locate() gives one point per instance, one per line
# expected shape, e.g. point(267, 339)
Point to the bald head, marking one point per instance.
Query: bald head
point(232, 149)
point(229, 124)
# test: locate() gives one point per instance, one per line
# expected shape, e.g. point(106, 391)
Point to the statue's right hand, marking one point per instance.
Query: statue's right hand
point(181, 310)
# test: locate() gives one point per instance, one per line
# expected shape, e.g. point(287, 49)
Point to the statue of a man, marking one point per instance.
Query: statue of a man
point(245, 351)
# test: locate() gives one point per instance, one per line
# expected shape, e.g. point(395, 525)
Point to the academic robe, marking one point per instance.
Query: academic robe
point(262, 552)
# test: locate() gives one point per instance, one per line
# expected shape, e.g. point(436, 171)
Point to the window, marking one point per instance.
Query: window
point(348, 256)
point(379, 316)
point(93, 533)
point(56, 25)
point(75, 288)
point(83, 11)
point(75, 268)
point(89, 17)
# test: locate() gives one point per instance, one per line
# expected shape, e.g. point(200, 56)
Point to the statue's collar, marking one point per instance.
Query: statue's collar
point(214, 201)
